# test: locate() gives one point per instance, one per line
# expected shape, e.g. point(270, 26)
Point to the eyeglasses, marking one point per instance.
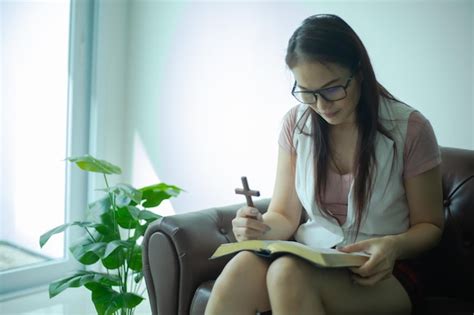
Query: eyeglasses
point(331, 94)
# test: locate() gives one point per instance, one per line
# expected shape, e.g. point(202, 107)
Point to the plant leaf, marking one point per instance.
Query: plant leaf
point(135, 260)
point(80, 278)
point(91, 164)
point(46, 236)
point(138, 277)
point(134, 211)
point(148, 216)
point(102, 297)
point(100, 206)
point(122, 301)
point(127, 217)
point(128, 300)
point(113, 246)
point(107, 228)
point(107, 301)
point(155, 194)
point(139, 231)
point(88, 252)
point(170, 189)
point(124, 194)
point(115, 259)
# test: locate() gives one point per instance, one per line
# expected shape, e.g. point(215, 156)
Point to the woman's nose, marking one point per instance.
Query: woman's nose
point(323, 105)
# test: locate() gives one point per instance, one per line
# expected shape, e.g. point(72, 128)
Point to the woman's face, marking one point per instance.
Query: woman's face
point(312, 76)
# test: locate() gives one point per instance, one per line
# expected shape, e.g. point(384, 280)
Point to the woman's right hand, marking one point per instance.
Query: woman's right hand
point(248, 224)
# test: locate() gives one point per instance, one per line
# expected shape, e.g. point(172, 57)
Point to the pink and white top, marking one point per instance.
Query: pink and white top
point(421, 153)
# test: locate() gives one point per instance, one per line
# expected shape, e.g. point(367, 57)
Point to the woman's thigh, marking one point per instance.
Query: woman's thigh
point(342, 296)
point(244, 278)
point(339, 294)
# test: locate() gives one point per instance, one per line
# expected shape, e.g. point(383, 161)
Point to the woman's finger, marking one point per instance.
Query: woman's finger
point(247, 212)
point(244, 234)
point(355, 247)
point(250, 224)
point(369, 267)
point(373, 279)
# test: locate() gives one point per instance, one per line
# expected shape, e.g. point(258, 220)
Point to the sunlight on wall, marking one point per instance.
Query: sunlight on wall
point(207, 100)
point(145, 175)
point(208, 85)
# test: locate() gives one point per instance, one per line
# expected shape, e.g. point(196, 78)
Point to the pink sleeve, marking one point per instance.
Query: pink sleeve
point(421, 147)
point(285, 139)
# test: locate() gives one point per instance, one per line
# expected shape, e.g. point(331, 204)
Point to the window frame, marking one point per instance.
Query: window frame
point(27, 279)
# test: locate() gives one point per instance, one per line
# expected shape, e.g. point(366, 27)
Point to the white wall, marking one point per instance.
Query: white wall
point(199, 117)
point(422, 52)
point(182, 56)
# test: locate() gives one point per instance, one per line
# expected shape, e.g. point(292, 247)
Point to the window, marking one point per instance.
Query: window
point(43, 119)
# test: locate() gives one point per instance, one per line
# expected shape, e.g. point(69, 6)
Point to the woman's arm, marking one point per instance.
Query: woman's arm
point(283, 216)
point(424, 194)
point(425, 201)
point(284, 211)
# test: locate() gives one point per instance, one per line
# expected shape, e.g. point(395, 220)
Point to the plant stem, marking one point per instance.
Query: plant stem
point(87, 230)
point(135, 284)
point(130, 287)
point(121, 279)
point(106, 182)
point(125, 278)
point(114, 207)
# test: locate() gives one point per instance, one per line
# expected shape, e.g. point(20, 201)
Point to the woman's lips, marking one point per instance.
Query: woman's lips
point(329, 115)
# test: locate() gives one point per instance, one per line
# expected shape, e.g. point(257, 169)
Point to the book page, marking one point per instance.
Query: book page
point(230, 248)
point(322, 256)
point(318, 249)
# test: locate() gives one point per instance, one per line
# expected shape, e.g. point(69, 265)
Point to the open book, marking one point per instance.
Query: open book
point(323, 257)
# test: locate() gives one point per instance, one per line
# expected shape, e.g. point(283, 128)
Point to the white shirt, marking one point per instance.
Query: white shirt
point(386, 211)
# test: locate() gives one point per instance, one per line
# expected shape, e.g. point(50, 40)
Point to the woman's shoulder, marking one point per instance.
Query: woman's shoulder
point(286, 130)
point(391, 109)
point(417, 119)
point(290, 117)
point(292, 112)
point(404, 112)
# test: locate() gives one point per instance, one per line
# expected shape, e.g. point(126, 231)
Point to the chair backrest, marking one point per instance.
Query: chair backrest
point(448, 269)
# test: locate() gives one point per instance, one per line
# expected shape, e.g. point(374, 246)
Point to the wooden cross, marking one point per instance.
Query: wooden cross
point(247, 192)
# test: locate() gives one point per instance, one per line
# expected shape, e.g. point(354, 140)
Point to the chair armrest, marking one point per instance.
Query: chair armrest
point(176, 251)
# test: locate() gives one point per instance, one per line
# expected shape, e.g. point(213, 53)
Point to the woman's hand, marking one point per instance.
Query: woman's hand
point(383, 253)
point(248, 224)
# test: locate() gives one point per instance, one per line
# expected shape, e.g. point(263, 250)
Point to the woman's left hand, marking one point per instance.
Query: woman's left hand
point(383, 254)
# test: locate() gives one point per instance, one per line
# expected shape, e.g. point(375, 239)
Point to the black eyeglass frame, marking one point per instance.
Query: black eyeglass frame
point(317, 93)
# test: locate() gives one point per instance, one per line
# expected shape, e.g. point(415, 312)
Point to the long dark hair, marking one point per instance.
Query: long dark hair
point(328, 38)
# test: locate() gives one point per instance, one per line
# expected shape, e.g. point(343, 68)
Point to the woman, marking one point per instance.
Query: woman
point(365, 169)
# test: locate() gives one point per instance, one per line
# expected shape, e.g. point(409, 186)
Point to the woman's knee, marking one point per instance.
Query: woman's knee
point(243, 270)
point(243, 281)
point(245, 264)
point(288, 271)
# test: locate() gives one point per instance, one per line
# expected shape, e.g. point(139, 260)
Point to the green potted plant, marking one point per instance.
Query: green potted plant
point(114, 229)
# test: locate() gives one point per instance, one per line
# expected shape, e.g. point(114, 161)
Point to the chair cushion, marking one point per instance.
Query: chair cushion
point(199, 302)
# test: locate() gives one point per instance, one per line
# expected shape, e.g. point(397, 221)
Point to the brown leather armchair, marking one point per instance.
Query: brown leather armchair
point(179, 276)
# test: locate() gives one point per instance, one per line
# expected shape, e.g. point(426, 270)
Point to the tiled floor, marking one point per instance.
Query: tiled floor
point(72, 301)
